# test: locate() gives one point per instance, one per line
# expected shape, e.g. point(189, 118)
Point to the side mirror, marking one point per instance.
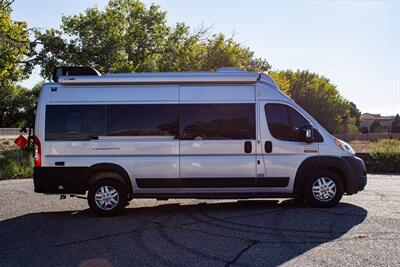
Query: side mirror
point(308, 133)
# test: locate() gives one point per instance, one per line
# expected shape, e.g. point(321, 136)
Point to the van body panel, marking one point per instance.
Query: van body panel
point(95, 148)
point(218, 166)
point(217, 93)
point(120, 93)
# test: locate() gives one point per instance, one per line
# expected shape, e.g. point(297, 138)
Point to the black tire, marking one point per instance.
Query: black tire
point(112, 209)
point(316, 202)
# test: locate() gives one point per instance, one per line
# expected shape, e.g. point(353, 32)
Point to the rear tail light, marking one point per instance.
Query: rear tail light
point(37, 151)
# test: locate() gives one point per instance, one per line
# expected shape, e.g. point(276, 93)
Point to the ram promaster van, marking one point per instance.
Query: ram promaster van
point(224, 134)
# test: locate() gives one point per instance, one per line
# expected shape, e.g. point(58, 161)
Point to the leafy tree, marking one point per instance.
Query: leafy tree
point(183, 51)
point(222, 52)
point(127, 36)
point(16, 105)
point(396, 124)
point(319, 97)
point(355, 113)
point(376, 127)
point(14, 45)
point(351, 126)
point(16, 50)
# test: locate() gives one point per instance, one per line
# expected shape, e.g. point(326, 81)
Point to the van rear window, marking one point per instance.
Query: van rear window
point(74, 122)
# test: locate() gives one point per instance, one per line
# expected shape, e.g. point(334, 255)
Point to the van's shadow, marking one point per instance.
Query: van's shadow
point(236, 232)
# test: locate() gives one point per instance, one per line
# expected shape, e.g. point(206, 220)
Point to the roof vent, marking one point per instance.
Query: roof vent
point(74, 71)
point(224, 69)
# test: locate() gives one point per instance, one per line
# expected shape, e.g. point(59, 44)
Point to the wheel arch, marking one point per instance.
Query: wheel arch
point(100, 168)
point(313, 164)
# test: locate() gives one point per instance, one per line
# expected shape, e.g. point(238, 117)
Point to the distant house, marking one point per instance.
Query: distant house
point(379, 123)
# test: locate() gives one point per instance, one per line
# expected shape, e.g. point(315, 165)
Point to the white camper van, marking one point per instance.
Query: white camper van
point(223, 134)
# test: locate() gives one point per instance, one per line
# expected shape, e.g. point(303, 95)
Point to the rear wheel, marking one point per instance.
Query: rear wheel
point(323, 189)
point(107, 197)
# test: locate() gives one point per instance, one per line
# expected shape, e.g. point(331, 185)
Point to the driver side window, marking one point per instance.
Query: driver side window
point(284, 122)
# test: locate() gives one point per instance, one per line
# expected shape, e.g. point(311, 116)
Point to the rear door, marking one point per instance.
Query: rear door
point(283, 147)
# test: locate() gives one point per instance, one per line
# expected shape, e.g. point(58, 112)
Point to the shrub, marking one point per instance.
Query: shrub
point(16, 164)
point(385, 157)
point(6, 142)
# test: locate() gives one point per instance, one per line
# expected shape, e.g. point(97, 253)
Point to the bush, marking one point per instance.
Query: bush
point(16, 164)
point(6, 142)
point(384, 157)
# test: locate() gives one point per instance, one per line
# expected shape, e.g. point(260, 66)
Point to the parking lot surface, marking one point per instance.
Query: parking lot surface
point(40, 230)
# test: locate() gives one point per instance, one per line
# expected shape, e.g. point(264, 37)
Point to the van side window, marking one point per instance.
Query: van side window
point(185, 121)
point(278, 122)
point(217, 121)
point(74, 122)
point(142, 120)
point(297, 121)
point(284, 122)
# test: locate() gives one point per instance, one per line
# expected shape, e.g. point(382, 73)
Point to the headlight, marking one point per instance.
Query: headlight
point(344, 146)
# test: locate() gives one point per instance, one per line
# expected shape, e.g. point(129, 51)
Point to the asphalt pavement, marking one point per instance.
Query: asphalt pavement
point(41, 230)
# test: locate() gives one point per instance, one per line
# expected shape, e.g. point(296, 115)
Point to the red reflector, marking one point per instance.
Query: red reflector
point(21, 141)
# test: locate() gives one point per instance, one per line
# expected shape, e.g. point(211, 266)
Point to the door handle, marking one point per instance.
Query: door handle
point(247, 147)
point(268, 146)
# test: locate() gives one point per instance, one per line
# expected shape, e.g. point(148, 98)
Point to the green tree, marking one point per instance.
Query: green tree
point(355, 113)
point(376, 127)
point(182, 51)
point(129, 37)
point(16, 105)
point(319, 97)
point(396, 124)
point(14, 46)
point(16, 50)
point(223, 52)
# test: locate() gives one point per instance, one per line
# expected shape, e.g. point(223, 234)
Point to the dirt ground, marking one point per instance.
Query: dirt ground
point(362, 146)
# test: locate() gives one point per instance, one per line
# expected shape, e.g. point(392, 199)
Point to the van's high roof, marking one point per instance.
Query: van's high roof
point(223, 75)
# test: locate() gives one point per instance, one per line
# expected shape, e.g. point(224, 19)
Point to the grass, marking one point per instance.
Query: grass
point(16, 163)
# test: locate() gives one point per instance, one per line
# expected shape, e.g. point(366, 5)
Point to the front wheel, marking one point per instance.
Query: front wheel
point(107, 197)
point(323, 189)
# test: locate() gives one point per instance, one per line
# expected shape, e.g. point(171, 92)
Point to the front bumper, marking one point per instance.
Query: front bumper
point(358, 177)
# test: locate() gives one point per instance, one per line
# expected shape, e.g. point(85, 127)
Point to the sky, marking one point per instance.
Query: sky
point(356, 44)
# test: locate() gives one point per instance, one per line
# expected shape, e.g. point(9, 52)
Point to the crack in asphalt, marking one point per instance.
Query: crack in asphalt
point(104, 236)
point(248, 247)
